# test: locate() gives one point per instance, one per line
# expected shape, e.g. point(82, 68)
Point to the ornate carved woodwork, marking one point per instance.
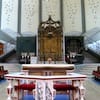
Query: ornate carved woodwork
point(50, 40)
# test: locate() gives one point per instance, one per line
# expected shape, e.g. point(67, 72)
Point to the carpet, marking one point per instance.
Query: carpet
point(2, 81)
point(62, 97)
point(28, 97)
point(96, 81)
point(58, 97)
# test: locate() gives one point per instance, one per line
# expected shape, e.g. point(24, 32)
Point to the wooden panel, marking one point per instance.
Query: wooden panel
point(51, 47)
point(36, 73)
point(62, 72)
point(1, 48)
point(47, 72)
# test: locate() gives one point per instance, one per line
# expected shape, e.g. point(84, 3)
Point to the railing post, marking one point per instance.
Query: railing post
point(82, 90)
point(9, 89)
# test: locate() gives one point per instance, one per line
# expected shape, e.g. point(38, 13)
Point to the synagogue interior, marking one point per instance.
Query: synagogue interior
point(53, 46)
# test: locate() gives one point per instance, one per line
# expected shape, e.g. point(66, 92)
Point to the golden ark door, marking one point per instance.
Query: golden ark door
point(50, 40)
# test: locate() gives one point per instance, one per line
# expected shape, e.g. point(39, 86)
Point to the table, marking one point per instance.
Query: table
point(48, 69)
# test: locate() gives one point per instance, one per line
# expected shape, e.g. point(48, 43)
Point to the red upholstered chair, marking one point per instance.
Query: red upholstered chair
point(64, 87)
point(23, 87)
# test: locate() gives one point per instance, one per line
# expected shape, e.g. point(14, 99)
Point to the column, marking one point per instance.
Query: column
point(0, 12)
point(83, 16)
point(40, 11)
point(19, 17)
point(61, 12)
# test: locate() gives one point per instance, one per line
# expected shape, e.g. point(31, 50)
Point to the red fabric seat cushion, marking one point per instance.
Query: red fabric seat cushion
point(25, 86)
point(96, 73)
point(63, 87)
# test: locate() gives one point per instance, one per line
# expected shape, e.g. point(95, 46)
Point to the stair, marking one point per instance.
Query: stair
point(90, 58)
point(86, 69)
point(12, 67)
point(12, 59)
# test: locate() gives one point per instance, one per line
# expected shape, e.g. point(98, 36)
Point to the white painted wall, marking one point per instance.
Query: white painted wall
point(92, 13)
point(29, 16)
point(51, 7)
point(72, 17)
point(9, 15)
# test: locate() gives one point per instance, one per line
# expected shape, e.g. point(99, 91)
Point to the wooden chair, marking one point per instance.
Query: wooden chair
point(24, 85)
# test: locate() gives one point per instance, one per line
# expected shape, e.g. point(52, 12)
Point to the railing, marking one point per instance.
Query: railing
point(44, 83)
